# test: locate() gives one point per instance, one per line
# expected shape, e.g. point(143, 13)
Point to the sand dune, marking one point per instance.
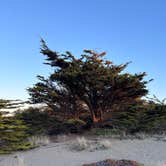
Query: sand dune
point(148, 151)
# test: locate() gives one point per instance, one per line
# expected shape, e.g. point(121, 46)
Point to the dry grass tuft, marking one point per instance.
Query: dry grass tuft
point(81, 143)
point(20, 160)
point(39, 140)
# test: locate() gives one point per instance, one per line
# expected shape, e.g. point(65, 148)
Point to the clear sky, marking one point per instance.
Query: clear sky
point(128, 30)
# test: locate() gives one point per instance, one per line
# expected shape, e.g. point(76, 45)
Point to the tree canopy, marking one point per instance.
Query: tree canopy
point(98, 83)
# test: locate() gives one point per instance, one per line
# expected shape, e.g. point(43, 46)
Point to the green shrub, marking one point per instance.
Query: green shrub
point(36, 120)
point(128, 121)
point(55, 127)
point(88, 120)
point(139, 118)
point(13, 135)
point(41, 122)
point(74, 125)
point(155, 120)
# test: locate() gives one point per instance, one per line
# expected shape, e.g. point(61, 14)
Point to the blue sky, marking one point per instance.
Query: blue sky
point(128, 30)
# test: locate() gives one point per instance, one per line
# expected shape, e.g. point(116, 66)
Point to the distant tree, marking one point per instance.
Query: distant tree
point(99, 83)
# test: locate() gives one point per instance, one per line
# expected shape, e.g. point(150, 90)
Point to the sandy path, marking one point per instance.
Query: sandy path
point(148, 151)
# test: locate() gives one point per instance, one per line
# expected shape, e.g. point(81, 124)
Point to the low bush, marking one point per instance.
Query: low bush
point(87, 118)
point(74, 125)
point(154, 121)
point(43, 123)
point(148, 118)
point(39, 122)
point(35, 119)
point(13, 135)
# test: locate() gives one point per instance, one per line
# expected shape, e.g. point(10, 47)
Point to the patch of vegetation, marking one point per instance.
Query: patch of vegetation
point(74, 125)
point(105, 131)
point(148, 118)
point(39, 122)
point(12, 135)
point(155, 120)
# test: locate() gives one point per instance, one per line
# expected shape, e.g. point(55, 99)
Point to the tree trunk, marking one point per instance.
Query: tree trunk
point(97, 116)
point(101, 115)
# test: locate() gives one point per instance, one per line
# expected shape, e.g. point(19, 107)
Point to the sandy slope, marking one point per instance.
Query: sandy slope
point(148, 151)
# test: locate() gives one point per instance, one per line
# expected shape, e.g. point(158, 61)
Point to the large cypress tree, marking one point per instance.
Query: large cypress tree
point(99, 83)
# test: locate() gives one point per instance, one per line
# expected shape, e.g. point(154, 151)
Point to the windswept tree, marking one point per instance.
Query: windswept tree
point(98, 83)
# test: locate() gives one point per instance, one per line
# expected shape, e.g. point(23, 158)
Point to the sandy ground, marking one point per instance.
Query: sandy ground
point(148, 151)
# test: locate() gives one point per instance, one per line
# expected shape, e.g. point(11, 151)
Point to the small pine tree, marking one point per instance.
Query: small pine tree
point(12, 135)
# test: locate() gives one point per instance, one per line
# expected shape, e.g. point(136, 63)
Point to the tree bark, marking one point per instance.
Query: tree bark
point(97, 116)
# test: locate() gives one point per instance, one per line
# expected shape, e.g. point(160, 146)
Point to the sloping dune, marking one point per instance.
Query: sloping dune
point(147, 151)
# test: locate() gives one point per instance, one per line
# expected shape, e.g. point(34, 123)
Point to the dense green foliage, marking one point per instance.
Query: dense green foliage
point(42, 122)
point(75, 125)
point(154, 120)
point(37, 121)
point(12, 135)
point(91, 79)
point(149, 118)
